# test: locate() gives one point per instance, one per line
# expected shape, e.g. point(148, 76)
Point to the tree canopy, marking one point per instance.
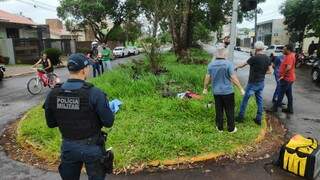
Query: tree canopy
point(98, 14)
point(298, 16)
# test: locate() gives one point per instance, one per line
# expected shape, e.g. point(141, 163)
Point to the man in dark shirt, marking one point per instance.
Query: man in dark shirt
point(79, 110)
point(260, 65)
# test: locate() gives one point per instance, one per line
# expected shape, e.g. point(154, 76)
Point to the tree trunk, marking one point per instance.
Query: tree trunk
point(153, 58)
point(174, 33)
point(190, 33)
point(183, 44)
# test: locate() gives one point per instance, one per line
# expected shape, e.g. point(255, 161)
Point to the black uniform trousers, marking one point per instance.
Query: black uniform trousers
point(225, 103)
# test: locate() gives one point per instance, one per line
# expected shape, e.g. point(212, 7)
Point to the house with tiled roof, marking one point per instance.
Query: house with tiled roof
point(18, 26)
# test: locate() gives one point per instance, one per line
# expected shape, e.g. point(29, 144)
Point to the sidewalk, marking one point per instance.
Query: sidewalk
point(23, 69)
point(17, 70)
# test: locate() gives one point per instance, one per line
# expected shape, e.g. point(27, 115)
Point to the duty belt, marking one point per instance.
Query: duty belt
point(88, 141)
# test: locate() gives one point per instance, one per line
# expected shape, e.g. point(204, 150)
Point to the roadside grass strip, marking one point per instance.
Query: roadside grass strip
point(150, 129)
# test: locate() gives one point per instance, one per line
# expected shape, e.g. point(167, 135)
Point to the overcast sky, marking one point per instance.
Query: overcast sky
point(270, 10)
point(39, 10)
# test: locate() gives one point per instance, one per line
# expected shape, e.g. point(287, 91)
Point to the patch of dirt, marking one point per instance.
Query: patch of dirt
point(264, 148)
point(23, 152)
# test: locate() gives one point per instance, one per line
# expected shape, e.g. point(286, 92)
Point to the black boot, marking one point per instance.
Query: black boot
point(274, 108)
point(288, 111)
point(257, 122)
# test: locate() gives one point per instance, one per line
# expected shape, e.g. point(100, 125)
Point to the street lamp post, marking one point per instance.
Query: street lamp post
point(255, 26)
point(233, 29)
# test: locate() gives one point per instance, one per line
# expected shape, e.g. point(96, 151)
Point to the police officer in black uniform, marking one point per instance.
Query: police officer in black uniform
point(79, 110)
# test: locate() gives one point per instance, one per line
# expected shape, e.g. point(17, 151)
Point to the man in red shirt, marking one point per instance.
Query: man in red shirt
point(287, 77)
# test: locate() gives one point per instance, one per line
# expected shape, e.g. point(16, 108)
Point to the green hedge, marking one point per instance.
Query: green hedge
point(54, 55)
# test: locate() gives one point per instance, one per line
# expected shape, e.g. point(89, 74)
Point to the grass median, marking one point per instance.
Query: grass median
point(150, 127)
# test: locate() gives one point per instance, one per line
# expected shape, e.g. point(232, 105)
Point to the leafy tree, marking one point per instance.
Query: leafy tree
point(298, 16)
point(98, 14)
point(188, 20)
point(132, 31)
point(165, 37)
point(315, 21)
point(117, 34)
point(154, 11)
point(202, 33)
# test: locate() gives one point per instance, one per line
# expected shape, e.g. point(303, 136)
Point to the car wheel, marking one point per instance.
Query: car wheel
point(316, 75)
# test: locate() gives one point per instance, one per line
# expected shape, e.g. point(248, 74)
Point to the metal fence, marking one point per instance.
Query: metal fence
point(28, 51)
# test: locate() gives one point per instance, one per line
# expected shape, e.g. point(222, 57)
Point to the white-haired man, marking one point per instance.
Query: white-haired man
point(221, 73)
point(260, 65)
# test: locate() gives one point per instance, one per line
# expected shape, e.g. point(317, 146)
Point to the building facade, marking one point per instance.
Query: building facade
point(16, 26)
point(273, 32)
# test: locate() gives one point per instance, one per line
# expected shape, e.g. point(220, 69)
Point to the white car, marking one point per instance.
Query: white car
point(133, 50)
point(120, 51)
point(276, 50)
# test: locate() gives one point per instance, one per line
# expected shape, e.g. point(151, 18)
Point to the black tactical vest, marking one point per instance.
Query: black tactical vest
point(76, 119)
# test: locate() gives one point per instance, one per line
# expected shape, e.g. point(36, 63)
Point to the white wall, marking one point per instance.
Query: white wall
point(307, 42)
point(279, 32)
point(6, 50)
point(3, 33)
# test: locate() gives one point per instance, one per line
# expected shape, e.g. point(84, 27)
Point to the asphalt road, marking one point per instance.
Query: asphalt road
point(15, 100)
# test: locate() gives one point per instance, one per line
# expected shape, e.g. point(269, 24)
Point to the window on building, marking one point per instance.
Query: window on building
point(12, 33)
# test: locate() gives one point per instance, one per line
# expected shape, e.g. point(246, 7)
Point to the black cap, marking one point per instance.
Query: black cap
point(77, 62)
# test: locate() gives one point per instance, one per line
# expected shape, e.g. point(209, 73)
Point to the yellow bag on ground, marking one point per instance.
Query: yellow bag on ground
point(301, 156)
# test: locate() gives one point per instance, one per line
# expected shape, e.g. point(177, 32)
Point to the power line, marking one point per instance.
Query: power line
point(44, 4)
point(37, 6)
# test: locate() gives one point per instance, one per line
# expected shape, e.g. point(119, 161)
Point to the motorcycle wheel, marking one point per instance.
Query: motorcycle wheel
point(34, 86)
point(299, 64)
point(316, 75)
point(1, 75)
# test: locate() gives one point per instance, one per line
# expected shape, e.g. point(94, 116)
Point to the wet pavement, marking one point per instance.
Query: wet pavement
point(14, 100)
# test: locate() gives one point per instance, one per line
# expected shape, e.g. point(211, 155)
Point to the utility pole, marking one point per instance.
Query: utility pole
point(255, 25)
point(233, 29)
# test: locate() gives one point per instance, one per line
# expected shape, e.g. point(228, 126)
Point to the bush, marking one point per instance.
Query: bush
point(54, 55)
point(4, 60)
point(83, 50)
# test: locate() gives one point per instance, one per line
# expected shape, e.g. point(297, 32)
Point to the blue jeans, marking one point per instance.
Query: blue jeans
point(257, 90)
point(285, 89)
point(276, 91)
point(96, 69)
point(74, 155)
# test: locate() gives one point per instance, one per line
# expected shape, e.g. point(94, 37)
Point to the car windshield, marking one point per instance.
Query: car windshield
point(270, 47)
point(118, 49)
point(279, 48)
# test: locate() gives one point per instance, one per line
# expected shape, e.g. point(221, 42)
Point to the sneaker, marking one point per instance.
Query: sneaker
point(234, 130)
point(288, 111)
point(239, 119)
point(257, 122)
point(220, 131)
